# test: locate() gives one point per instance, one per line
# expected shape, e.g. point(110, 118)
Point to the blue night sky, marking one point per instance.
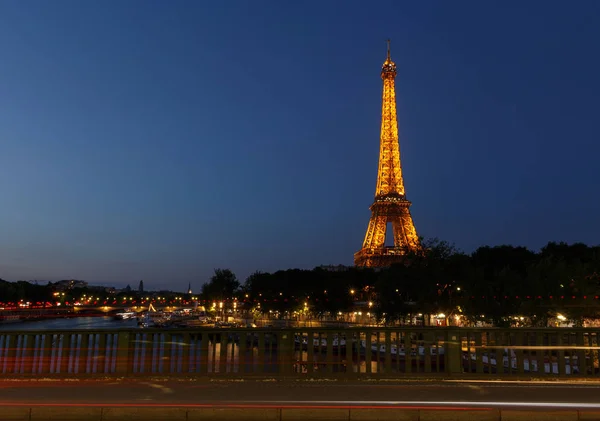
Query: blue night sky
point(159, 140)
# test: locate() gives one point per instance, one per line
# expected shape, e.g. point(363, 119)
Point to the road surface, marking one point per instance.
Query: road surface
point(451, 396)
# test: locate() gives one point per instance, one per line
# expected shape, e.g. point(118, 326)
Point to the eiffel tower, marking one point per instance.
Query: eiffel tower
point(390, 205)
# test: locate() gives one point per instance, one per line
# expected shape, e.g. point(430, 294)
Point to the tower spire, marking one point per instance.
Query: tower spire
point(389, 58)
point(390, 205)
point(389, 67)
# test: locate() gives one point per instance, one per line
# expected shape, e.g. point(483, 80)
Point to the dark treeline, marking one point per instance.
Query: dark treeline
point(497, 283)
point(23, 290)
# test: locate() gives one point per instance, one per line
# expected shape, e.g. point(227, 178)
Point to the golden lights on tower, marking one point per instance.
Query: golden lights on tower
point(390, 203)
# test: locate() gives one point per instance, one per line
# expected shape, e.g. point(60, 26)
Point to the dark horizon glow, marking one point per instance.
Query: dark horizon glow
point(160, 140)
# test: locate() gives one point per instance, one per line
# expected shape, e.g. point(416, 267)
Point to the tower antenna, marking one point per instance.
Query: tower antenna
point(388, 50)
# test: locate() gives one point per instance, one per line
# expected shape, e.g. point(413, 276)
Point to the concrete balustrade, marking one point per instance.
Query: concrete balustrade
point(358, 352)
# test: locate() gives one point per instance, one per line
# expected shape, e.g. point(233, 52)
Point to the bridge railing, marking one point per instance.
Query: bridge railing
point(363, 352)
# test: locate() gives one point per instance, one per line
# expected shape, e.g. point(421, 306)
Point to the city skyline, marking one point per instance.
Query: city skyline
point(160, 141)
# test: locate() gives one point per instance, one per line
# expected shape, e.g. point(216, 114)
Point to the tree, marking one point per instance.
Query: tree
point(222, 285)
point(424, 283)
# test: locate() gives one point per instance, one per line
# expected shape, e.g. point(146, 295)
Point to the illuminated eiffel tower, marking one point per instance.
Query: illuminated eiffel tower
point(390, 205)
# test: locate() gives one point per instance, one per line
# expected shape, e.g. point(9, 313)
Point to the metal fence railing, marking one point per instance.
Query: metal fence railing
point(302, 352)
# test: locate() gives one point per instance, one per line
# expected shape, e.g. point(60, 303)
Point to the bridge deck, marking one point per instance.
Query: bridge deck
point(95, 399)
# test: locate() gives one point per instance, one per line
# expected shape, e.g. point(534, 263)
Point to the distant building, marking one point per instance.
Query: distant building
point(189, 291)
point(69, 284)
point(100, 288)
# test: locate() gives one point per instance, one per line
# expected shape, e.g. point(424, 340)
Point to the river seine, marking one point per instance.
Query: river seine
point(72, 323)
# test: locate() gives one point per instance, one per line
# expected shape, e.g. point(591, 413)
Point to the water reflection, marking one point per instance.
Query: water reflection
point(71, 324)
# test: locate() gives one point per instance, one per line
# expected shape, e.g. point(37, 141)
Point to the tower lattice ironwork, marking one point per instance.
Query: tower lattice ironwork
point(390, 205)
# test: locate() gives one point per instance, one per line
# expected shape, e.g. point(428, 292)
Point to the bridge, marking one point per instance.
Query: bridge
point(74, 311)
point(341, 357)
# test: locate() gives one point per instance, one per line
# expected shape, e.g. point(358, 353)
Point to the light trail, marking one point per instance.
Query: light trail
point(255, 405)
point(437, 405)
point(425, 404)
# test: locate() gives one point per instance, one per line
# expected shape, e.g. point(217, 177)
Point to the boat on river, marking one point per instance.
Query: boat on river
point(125, 315)
point(178, 318)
